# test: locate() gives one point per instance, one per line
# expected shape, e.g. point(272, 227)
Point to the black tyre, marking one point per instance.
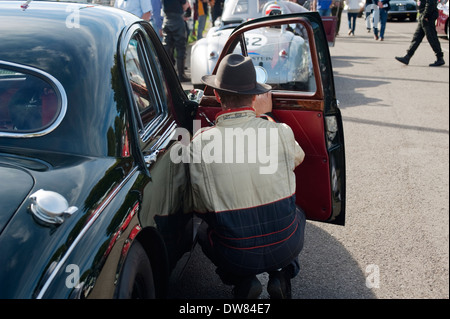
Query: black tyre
point(448, 31)
point(136, 280)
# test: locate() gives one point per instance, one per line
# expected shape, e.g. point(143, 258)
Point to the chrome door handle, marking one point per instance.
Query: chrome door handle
point(151, 158)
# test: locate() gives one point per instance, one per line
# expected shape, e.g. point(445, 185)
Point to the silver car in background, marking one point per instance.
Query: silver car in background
point(283, 52)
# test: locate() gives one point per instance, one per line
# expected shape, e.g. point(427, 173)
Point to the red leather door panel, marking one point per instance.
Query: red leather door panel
point(313, 175)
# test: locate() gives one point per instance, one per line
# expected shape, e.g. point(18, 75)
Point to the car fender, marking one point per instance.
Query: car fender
point(199, 61)
point(202, 62)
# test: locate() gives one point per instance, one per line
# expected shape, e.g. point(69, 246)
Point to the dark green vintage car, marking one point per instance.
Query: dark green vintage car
point(91, 204)
point(402, 9)
point(88, 105)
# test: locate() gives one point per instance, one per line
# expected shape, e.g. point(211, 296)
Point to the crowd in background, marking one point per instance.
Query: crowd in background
point(198, 12)
point(179, 21)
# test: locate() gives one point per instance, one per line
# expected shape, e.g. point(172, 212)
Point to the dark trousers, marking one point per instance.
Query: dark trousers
point(175, 37)
point(217, 10)
point(235, 277)
point(351, 16)
point(337, 11)
point(383, 20)
point(428, 29)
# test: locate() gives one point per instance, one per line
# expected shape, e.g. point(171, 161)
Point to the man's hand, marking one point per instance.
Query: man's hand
point(147, 16)
point(263, 103)
point(186, 5)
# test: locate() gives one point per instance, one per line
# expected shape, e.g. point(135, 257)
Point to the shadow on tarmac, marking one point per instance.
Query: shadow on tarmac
point(327, 271)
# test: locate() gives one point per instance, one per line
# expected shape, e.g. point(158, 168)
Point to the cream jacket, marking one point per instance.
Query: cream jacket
point(241, 162)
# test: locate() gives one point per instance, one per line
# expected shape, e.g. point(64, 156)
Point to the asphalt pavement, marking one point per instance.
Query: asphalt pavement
point(395, 244)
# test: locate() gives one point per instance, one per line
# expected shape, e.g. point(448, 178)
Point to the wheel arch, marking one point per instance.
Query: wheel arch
point(156, 251)
point(447, 29)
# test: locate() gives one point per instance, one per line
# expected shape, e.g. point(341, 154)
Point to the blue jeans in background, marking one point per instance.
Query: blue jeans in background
point(201, 26)
point(383, 20)
point(324, 12)
point(352, 22)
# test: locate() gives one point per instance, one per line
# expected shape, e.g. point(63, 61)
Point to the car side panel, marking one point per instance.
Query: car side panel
point(91, 273)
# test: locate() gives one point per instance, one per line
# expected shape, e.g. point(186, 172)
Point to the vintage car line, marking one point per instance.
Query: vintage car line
point(402, 9)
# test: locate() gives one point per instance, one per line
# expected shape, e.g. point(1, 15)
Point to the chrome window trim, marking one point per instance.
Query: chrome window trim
point(166, 137)
point(139, 33)
point(83, 231)
point(154, 127)
point(135, 35)
point(59, 91)
point(135, 32)
point(153, 78)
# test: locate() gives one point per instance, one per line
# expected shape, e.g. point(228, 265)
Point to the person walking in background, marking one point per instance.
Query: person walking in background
point(336, 11)
point(368, 11)
point(426, 27)
point(352, 14)
point(175, 33)
point(156, 19)
point(323, 7)
point(217, 8)
point(200, 14)
point(383, 8)
point(188, 15)
point(140, 8)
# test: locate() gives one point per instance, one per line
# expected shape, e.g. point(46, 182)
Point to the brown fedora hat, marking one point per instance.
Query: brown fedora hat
point(236, 74)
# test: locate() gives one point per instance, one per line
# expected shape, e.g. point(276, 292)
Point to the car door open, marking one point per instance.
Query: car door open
point(293, 50)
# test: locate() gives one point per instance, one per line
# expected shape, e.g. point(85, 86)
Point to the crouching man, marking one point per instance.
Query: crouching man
point(243, 186)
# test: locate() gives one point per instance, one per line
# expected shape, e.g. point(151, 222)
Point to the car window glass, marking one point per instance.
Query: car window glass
point(157, 76)
point(241, 7)
point(284, 52)
point(139, 82)
point(28, 103)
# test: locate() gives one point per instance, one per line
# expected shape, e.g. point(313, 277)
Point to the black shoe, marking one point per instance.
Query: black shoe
point(403, 59)
point(440, 61)
point(249, 288)
point(279, 285)
point(183, 78)
point(180, 70)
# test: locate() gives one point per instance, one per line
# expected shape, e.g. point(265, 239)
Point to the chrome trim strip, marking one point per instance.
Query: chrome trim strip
point(60, 91)
point(150, 127)
point(86, 227)
point(165, 137)
point(155, 127)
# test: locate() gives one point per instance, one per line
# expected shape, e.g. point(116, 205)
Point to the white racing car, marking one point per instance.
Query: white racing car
point(282, 51)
